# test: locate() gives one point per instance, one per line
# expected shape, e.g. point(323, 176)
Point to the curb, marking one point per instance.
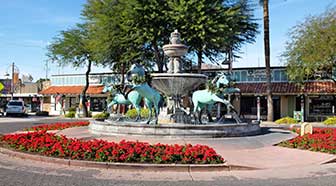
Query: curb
point(126, 166)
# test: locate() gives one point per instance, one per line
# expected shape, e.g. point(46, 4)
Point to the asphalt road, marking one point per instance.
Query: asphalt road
point(17, 172)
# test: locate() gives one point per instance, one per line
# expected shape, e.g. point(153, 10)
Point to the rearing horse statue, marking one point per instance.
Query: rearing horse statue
point(136, 75)
point(203, 98)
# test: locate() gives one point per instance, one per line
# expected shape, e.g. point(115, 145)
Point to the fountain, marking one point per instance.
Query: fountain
point(176, 119)
point(175, 84)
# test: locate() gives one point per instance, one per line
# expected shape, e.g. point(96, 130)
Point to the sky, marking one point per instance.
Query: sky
point(28, 26)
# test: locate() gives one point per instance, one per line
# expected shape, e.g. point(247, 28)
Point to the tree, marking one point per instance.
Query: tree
point(73, 47)
point(265, 4)
point(312, 46)
point(211, 28)
point(128, 31)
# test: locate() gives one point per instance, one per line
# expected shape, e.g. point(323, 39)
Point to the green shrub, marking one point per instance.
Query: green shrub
point(103, 115)
point(330, 121)
point(70, 114)
point(132, 113)
point(286, 120)
point(72, 109)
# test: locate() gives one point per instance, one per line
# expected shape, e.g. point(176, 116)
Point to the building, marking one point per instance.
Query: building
point(23, 90)
point(65, 92)
point(315, 99)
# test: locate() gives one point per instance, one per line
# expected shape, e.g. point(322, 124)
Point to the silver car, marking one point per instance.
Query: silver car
point(15, 107)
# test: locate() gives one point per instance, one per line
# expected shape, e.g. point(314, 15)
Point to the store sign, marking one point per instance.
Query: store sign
point(6, 86)
point(257, 73)
point(94, 79)
point(326, 98)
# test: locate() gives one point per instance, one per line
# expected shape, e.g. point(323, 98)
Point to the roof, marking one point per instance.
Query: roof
point(72, 90)
point(286, 88)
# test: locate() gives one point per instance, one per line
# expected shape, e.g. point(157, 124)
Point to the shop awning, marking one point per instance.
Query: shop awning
point(71, 90)
point(286, 88)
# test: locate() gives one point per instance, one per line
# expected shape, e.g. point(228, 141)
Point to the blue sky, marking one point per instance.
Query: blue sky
point(27, 26)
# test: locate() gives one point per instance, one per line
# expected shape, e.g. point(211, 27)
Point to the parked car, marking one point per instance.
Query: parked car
point(15, 107)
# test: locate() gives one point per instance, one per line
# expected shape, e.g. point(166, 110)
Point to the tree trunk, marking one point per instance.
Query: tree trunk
point(267, 62)
point(86, 87)
point(122, 87)
point(158, 58)
point(199, 61)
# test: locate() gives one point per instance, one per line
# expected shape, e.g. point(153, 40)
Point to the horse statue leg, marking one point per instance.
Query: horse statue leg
point(135, 98)
point(157, 108)
point(209, 109)
point(149, 104)
point(138, 110)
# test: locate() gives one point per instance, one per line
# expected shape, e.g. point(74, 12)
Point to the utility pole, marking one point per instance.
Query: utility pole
point(46, 67)
point(12, 82)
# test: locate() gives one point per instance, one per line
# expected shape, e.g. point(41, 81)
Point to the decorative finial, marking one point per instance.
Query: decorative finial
point(175, 37)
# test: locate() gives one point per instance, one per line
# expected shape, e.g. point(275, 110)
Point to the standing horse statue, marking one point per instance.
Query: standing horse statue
point(133, 97)
point(207, 98)
point(137, 75)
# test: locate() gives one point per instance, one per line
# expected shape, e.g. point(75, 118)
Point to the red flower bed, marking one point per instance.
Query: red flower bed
point(50, 144)
point(58, 126)
point(322, 140)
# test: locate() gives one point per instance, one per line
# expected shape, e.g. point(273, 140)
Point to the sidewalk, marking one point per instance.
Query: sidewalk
point(286, 126)
point(251, 151)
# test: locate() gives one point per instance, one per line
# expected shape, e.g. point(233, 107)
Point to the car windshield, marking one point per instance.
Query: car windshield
point(15, 103)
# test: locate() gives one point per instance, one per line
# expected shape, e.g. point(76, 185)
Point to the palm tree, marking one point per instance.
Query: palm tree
point(267, 60)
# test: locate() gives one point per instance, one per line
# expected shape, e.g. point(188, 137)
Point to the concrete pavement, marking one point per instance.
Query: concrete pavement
point(251, 151)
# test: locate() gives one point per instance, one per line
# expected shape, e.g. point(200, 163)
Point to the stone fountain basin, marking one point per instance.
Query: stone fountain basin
point(175, 50)
point(174, 130)
point(177, 84)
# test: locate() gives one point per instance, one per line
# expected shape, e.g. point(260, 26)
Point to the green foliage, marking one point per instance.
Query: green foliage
point(330, 121)
point(139, 79)
point(132, 113)
point(128, 31)
point(312, 46)
point(286, 120)
point(72, 109)
point(213, 27)
point(70, 114)
point(103, 115)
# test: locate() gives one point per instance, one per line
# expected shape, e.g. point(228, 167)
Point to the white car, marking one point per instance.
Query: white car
point(15, 107)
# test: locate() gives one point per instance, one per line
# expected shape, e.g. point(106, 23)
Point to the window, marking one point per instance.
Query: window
point(321, 105)
point(97, 104)
point(276, 76)
point(248, 105)
point(237, 76)
point(243, 76)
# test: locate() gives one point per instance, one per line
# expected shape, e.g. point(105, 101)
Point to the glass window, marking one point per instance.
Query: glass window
point(321, 105)
point(243, 76)
point(284, 76)
point(276, 75)
point(237, 76)
point(97, 104)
